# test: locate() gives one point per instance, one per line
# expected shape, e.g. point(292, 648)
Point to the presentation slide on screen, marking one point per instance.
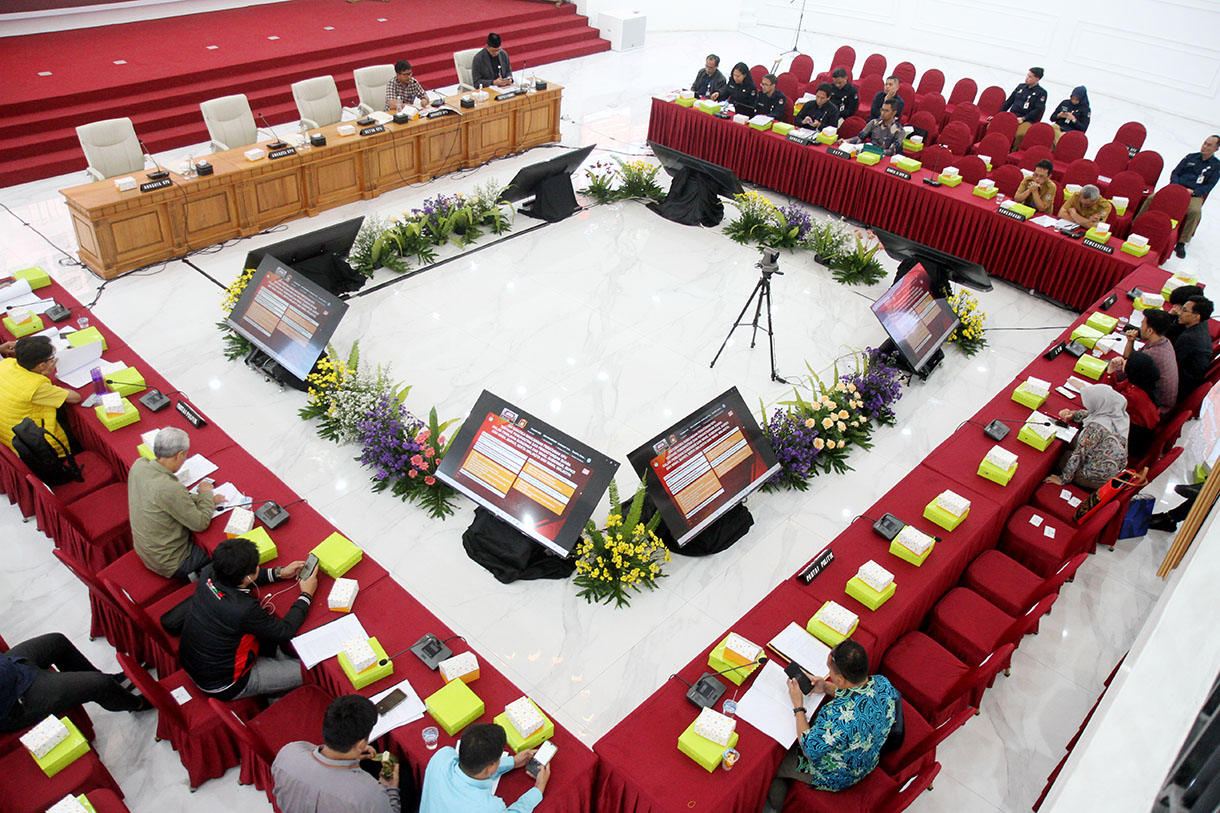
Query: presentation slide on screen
point(705, 464)
point(531, 475)
point(914, 318)
point(286, 316)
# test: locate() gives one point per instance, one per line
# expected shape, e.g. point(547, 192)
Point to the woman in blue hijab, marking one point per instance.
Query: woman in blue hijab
point(1072, 113)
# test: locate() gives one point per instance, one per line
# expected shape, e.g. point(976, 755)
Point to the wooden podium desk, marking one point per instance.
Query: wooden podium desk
point(118, 231)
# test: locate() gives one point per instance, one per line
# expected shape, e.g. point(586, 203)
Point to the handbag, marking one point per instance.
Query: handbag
point(1125, 480)
point(1139, 515)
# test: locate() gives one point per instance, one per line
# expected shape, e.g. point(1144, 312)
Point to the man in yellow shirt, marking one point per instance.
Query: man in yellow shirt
point(26, 391)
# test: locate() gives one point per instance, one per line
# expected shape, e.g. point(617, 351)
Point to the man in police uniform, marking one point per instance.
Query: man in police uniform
point(1198, 172)
point(844, 94)
point(1028, 103)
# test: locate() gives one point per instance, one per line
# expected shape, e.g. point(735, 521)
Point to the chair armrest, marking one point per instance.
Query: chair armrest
point(94, 174)
point(219, 146)
point(310, 124)
point(363, 109)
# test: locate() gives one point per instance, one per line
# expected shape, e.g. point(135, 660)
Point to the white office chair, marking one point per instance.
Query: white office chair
point(230, 122)
point(318, 101)
point(463, 61)
point(370, 87)
point(111, 148)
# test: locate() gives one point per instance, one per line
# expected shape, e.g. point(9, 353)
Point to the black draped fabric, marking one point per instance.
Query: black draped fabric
point(508, 554)
point(692, 200)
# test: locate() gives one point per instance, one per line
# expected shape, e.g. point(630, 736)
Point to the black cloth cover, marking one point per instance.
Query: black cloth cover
point(510, 555)
point(717, 537)
point(692, 200)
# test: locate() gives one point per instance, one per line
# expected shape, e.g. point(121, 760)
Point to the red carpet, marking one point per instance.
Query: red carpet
point(169, 66)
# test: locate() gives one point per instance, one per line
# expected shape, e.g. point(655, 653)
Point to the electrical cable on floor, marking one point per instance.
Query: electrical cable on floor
point(70, 259)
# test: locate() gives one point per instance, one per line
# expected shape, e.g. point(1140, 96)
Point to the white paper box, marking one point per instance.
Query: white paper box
point(830, 131)
point(1026, 173)
point(453, 668)
point(762, 120)
point(40, 739)
point(125, 184)
point(953, 502)
point(241, 520)
point(1137, 240)
point(985, 183)
point(1038, 387)
point(715, 726)
point(916, 139)
point(524, 717)
point(743, 647)
point(1119, 202)
point(342, 595)
point(1152, 300)
point(254, 154)
point(875, 576)
point(837, 617)
point(68, 804)
point(1001, 458)
point(949, 172)
point(914, 540)
point(1070, 189)
point(113, 403)
point(360, 653)
point(741, 118)
point(1102, 228)
point(986, 159)
point(347, 129)
point(1040, 425)
point(687, 94)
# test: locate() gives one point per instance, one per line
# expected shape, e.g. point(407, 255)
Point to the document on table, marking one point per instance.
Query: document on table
point(326, 641)
point(17, 294)
point(798, 646)
point(195, 469)
point(1046, 221)
point(75, 364)
point(767, 706)
point(408, 711)
point(232, 499)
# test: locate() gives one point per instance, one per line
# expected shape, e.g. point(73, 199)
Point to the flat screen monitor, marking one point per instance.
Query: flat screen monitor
point(318, 256)
point(539, 480)
point(727, 184)
point(525, 183)
point(916, 320)
point(704, 464)
point(947, 266)
point(286, 316)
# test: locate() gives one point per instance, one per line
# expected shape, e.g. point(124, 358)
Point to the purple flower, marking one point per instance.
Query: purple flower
point(878, 385)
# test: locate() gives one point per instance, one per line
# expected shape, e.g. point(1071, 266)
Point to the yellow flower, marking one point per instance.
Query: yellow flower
point(810, 423)
point(843, 414)
point(819, 444)
point(830, 444)
point(842, 427)
point(827, 423)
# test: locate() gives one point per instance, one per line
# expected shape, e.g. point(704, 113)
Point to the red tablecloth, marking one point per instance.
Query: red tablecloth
point(952, 220)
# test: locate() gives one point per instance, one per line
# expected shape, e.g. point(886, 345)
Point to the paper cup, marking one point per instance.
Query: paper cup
point(916, 139)
point(729, 758)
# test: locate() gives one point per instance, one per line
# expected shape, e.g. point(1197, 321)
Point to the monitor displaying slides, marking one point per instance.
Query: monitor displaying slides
point(704, 465)
point(913, 316)
point(528, 473)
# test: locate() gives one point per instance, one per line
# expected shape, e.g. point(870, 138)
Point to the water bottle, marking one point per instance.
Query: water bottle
point(99, 384)
point(191, 174)
point(306, 144)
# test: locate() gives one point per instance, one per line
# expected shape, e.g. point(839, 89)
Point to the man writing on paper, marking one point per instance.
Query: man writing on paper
point(328, 778)
point(843, 744)
point(462, 782)
point(26, 391)
point(884, 132)
point(490, 65)
point(163, 513)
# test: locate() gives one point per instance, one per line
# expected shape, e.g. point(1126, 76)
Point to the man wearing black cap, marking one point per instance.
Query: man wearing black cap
point(1028, 103)
point(491, 66)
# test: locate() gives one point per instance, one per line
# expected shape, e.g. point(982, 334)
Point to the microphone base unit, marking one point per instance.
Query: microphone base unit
point(888, 527)
point(272, 514)
point(158, 175)
point(57, 313)
point(997, 430)
point(154, 400)
point(706, 692)
point(431, 651)
point(277, 145)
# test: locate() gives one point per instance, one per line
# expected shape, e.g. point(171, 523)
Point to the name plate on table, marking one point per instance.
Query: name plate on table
point(282, 153)
point(838, 153)
point(898, 173)
point(820, 563)
point(1011, 214)
point(1102, 247)
point(374, 130)
point(151, 185)
point(802, 140)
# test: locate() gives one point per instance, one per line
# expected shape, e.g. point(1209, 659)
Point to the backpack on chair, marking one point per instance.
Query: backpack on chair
point(32, 443)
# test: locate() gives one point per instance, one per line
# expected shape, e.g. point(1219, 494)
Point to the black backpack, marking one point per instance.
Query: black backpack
point(32, 443)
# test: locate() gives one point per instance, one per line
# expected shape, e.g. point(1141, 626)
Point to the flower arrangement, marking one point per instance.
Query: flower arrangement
point(334, 388)
point(859, 265)
point(365, 253)
point(601, 177)
point(623, 180)
point(404, 453)
point(624, 557)
point(827, 239)
point(970, 336)
point(878, 382)
point(755, 218)
point(236, 346)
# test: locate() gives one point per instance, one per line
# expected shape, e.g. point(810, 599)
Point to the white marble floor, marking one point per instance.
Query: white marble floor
point(604, 325)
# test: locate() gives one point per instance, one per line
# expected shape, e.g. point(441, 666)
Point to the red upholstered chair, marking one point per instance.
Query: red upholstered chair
point(905, 72)
point(295, 716)
point(995, 146)
point(991, 100)
point(923, 120)
point(891, 798)
point(963, 91)
point(1081, 171)
point(160, 648)
point(934, 105)
point(1148, 163)
point(972, 169)
point(879, 790)
point(93, 528)
point(1129, 185)
point(909, 103)
point(1172, 200)
point(1112, 159)
point(26, 789)
point(971, 627)
point(787, 84)
point(1030, 158)
point(903, 763)
point(845, 57)
point(967, 114)
point(868, 87)
point(1029, 544)
point(1071, 147)
point(1193, 402)
point(932, 81)
point(1006, 124)
point(1157, 227)
point(1007, 178)
point(957, 137)
point(1132, 134)
point(937, 157)
point(802, 67)
point(757, 73)
point(933, 680)
point(874, 65)
point(1011, 586)
point(1038, 135)
point(94, 469)
point(108, 618)
point(204, 743)
point(851, 127)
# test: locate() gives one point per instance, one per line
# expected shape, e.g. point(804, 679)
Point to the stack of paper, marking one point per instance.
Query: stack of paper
point(195, 469)
point(767, 705)
point(408, 711)
point(326, 641)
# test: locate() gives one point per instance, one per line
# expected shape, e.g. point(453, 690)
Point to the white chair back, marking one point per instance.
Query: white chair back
point(111, 148)
point(230, 122)
point(463, 61)
point(318, 101)
point(370, 86)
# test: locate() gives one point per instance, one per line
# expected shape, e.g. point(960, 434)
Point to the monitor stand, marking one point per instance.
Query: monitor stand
point(260, 362)
point(923, 372)
point(692, 200)
point(718, 536)
point(554, 200)
point(508, 554)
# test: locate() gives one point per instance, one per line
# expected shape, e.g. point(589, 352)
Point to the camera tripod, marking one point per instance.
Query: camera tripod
point(762, 290)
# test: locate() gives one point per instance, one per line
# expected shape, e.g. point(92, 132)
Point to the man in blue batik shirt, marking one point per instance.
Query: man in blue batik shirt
point(1197, 172)
point(454, 782)
point(843, 743)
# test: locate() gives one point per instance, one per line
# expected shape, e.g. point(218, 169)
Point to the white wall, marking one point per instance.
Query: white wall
point(672, 15)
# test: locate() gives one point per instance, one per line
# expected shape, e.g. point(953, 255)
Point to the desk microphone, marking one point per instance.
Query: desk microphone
point(155, 400)
point(160, 173)
point(429, 649)
point(997, 429)
point(272, 514)
point(707, 691)
point(274, 145)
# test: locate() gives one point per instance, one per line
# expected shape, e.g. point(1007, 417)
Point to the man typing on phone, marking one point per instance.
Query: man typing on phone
point(462, 782)
point(843, 743)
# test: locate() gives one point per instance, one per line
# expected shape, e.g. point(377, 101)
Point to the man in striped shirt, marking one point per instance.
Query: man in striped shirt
point(403, 88)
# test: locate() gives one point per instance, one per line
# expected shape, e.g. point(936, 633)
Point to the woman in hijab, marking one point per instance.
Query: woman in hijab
point(740, 91)
point(1072, 113)
point(1137, 388)
point(1100, 451)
